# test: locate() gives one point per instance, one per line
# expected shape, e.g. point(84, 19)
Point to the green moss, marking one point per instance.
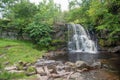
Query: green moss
point(52, 48)
point(57, 42)
point(31, 69)
point(101, 42)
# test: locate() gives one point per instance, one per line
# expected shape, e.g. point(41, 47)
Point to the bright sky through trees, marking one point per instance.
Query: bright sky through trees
point(63, 3)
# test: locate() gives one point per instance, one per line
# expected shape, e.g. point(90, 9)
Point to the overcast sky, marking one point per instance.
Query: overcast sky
point(63, 3)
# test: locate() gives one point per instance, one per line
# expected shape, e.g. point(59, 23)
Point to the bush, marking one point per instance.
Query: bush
point(40, 33)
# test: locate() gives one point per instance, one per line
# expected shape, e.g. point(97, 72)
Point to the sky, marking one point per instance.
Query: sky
point(63, 3)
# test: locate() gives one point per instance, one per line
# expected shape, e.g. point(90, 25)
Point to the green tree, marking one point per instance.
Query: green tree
point(40, 29)
point(102, 16)
point(20, 14)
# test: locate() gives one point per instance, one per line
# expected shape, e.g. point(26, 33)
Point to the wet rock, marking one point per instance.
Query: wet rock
point(58, 67)
point(81, 64)
point(76, 76)
point(45, 63)
point(61, 71)
point(60, 63)
point(115, 50)
point(70, 64)
point(40, 70)
point(52, 68)
point(96, 65)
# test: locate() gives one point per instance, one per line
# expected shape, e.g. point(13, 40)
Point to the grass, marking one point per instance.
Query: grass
point(11, 76)
point(13, 51)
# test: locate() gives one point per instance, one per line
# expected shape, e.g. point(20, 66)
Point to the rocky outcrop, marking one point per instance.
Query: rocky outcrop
point(57, 70)
point(114, 50)
point(52, 69)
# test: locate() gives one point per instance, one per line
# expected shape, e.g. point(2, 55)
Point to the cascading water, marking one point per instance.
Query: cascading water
point(79, 40)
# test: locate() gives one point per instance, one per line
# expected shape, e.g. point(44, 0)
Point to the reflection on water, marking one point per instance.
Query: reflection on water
point(90, 58)
point(110, 69)
point(110, 61)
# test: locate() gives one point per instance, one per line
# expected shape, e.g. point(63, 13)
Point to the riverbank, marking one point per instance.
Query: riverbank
point(14, 51)
point(20, 60)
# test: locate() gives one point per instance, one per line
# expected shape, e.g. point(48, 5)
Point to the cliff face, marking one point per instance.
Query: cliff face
point(59, 36)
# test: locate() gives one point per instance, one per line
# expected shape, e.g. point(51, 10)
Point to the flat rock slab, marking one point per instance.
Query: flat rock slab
point(46, 62)
point(10, 68)
point(16, 71)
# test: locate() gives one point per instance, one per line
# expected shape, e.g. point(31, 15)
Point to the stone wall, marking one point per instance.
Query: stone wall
point(12, 34)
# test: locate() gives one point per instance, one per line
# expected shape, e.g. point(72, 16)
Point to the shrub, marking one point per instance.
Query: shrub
point(40, 33)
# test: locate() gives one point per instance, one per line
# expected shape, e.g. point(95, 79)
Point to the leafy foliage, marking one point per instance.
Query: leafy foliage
point(27, 17)
point(101, 16)
point(40, 33)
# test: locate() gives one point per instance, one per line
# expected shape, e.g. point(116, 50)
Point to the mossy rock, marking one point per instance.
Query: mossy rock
point(57, 41)
point(30, 69)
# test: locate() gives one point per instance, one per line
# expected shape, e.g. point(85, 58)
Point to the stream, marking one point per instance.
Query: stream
point(109, 69)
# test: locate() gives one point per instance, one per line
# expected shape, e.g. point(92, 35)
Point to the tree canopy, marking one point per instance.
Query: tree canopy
point(27, 17)
point(99, 15)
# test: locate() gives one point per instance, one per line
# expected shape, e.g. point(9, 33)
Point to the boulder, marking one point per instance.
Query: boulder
point(40, 70)
point(115, 50)
point(76, 76)
point(70, 64)
point(81, 64)
point(96, 65)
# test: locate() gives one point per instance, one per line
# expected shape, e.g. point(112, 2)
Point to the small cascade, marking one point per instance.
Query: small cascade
point(79, 40)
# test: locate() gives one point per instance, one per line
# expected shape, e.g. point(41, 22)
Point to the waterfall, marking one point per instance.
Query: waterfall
point(79, 40)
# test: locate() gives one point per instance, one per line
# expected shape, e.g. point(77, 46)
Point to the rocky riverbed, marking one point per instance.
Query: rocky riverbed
point(58, 67)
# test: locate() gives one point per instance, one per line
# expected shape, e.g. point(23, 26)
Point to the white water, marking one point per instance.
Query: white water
point(79, 40)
